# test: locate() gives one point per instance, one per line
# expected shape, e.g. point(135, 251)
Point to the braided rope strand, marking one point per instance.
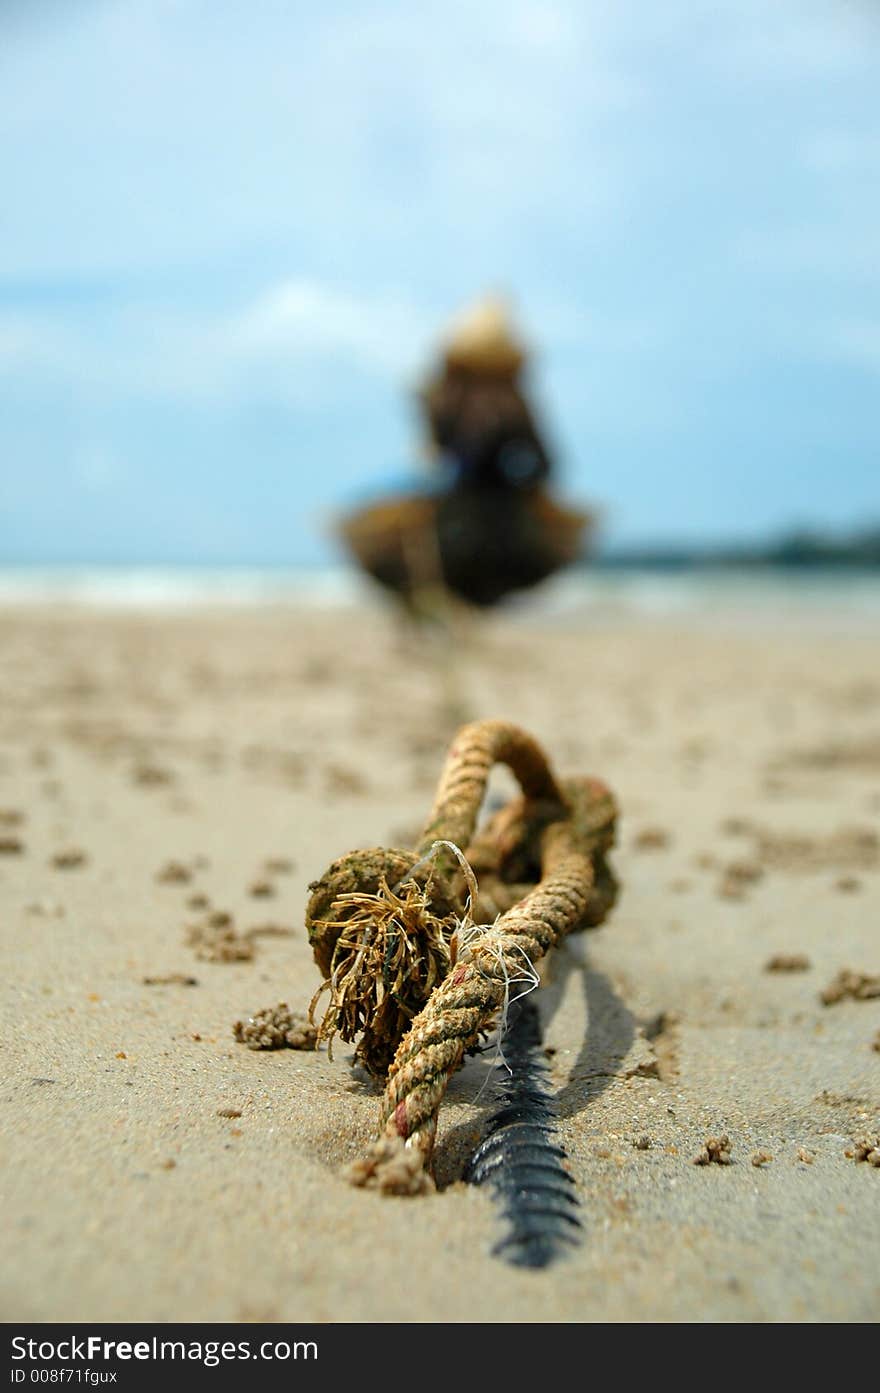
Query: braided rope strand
point(470, 998)
point(462, 788)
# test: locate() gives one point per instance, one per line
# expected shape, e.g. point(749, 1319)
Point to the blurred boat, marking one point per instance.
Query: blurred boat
point(494, 529)
point(479, 544)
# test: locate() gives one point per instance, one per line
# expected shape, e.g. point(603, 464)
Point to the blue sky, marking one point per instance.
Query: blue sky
point(230, 229)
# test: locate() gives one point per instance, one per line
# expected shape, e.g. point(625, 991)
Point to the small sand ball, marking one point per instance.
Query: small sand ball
point(340, 779)
point(857, 986)
point(170, 979)
point(652, 839)
point(705, 860)
point(745, 871)
point(261, 889)
point(716, 1150)
point(151, 775)
point(269, 930)
point(788, 962)
point(219, 943)
point(731, 889)
point(866, 1148)
point(736, 878)
point(848, 884)
point(736, 827)
point(279, 865)
point(69, 859)
point(174, 873)
point(277, 1028)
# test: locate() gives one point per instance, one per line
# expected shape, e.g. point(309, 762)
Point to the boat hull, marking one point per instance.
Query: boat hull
point(479, 544)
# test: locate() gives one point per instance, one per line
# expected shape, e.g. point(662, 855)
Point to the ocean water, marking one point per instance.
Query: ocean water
point(849, 600)
point(178, 587)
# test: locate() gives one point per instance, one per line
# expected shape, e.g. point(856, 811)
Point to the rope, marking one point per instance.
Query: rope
point(419, 949)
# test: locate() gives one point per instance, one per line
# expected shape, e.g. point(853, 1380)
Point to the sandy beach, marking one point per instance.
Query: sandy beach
point(159, 768)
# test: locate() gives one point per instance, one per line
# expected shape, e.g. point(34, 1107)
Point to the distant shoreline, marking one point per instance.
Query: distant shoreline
point(596, 593)
point(799, 550)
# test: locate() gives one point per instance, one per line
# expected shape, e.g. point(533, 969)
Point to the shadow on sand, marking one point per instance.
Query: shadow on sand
point(611, 1030)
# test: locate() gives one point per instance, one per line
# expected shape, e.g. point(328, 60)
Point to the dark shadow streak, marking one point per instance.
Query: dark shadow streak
point(611, 1030)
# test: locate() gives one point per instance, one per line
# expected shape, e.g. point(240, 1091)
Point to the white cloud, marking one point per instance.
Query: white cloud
point(426, 150)
point(297, 340)
point(305, 319)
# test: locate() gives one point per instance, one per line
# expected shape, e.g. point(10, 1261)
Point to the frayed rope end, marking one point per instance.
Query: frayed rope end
point(392, 1168)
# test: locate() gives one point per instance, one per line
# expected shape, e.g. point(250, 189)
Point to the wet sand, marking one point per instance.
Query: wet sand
point(156, 769)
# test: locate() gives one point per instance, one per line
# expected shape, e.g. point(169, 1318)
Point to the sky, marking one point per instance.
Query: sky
point(231, 231)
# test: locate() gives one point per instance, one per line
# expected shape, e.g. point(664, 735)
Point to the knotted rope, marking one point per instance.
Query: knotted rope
point(419, 948)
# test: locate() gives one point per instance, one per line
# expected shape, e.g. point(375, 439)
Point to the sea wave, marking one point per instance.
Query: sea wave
point(177, 587)
point(588, 595)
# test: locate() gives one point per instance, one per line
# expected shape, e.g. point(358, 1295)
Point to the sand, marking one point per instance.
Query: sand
point(157, 768)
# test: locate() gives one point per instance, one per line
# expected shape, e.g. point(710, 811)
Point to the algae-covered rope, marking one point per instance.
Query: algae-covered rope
point(398, 936)
point(468, 1000)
